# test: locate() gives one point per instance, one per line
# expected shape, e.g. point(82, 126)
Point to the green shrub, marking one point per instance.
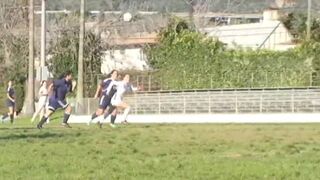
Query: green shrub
point(185, 59)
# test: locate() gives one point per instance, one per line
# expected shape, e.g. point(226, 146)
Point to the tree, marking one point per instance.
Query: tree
point(65, 56)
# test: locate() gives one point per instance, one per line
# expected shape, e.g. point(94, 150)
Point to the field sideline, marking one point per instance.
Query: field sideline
point(163, 151)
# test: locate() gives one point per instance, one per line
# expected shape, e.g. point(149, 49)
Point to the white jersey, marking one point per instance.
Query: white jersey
point(43, 91)
point(118, 96)
point(43, 96)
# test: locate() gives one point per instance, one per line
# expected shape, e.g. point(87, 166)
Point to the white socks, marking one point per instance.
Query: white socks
point(126, 113)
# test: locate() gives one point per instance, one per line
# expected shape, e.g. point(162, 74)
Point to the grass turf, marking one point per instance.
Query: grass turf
point(186, 151)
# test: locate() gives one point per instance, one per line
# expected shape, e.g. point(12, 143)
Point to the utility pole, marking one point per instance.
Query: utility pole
point(80, 60)
point(29, 101)
point(309, 20)
point(43, 39)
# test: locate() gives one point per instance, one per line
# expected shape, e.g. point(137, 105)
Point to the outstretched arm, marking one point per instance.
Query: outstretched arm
point(96, 95)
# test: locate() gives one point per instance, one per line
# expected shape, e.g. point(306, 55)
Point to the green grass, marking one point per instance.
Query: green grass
point(160, 152)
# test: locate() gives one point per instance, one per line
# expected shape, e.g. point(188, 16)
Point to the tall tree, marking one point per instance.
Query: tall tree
point(29, 102)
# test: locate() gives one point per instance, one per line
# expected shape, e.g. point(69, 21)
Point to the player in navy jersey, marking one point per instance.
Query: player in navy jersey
point(107, 91)
point(10, 102)
point(60, 87)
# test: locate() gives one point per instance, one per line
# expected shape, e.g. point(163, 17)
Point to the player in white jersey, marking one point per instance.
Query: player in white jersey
point(43, 99)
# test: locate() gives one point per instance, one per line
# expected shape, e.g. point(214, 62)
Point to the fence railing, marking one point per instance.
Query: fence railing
point(151, 82)
point(219, 101)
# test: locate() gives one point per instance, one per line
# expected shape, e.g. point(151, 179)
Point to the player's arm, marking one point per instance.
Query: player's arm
point(99, 88)
point(8, 95)
point(73, 85)
point(50, 88)
point(130, 89)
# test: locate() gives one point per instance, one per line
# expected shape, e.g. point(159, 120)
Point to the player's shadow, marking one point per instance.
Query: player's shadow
point(31, 136)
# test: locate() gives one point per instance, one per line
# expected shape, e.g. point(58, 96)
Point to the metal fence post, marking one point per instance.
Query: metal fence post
point(209, 102)
point(149, 88)
point(236, 105)
point(159, 104)
point(260, 106)
point(88, 106)
point(292, 101)
point(184, 104)
point(135, 103)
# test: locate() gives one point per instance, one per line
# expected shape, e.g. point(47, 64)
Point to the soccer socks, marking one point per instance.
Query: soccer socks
point(93, 116)
point(110, 110)
point(66, 117)
point(126, 113)
point(43, 120)
point(11, 118)
point(105, 116)
point(5, 116)
point(113, 118)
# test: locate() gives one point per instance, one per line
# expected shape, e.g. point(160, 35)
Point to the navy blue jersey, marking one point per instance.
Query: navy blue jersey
point(61, 88)
point(11, 92)
point(104, 86)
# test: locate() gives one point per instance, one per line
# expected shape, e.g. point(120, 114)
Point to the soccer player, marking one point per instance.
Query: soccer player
point(117, 100)
point(107, 91)
point(61, 87)
point(43, 98)
point(10, 102)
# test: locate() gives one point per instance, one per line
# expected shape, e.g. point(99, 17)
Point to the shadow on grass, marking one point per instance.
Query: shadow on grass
point(16, 128)
point(28, 136)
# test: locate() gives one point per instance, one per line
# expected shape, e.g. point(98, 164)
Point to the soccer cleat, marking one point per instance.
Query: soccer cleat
point(66, 125)
point(39, 126)
point(113, 125)
point(99, 124)
point(124, 122)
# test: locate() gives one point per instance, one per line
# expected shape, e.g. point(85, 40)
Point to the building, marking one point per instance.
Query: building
point(270, 33)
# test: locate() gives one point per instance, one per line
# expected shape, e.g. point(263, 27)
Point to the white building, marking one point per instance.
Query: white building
point(270, 33)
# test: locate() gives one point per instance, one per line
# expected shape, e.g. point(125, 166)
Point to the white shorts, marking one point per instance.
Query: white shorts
point(116, 101)
point(42, 101)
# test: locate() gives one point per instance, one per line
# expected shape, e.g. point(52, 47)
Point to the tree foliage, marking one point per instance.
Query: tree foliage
point(65, 57)
point(189, 60)
point(17, 70)
point(296, 23)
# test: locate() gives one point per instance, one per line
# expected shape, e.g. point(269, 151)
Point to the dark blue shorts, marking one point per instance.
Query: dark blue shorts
point(55, 104)
point(9, 103)
point(104, 102)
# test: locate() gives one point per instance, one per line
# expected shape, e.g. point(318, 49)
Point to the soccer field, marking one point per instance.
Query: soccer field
point(184, 151)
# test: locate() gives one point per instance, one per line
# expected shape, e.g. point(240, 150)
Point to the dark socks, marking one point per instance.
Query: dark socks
point(5, 116)
point(113, 118)
point(11, 118)
point(93, 116)
point(110, 110)
point(106, 115)
point(66, 118)
point(43, 120)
